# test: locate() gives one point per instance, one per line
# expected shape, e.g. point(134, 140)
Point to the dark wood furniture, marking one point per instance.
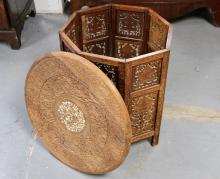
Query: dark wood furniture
point(12, 16)
point(130, 44)
point(169, 9)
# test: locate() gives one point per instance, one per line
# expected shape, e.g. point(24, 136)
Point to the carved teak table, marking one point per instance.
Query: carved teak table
point(88, 118)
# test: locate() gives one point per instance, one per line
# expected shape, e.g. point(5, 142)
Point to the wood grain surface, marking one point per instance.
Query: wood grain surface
point(78, 113)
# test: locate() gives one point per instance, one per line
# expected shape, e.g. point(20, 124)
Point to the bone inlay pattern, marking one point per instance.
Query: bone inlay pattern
point(110, 71)
point(70, 115)
point(146, 75)
point(73, 34)
point(127, 49)
point(98, 48)
point(130, 24)
point(157, 34)
point(142, 113)
point(94, 26)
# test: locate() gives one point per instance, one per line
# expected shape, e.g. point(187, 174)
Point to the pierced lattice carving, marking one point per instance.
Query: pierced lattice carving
point(130, 24)
point(95, 26)
point(143, 113)
point(110, 71)
point(146, 75)
point(73, 33)
point(96, 47)
point(127, 49)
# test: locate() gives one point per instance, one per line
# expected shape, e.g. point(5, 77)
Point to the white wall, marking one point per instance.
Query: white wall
point(49, 6)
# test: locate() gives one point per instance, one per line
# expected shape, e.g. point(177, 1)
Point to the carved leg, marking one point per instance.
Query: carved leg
point(155, 140)
point(32, 10)
point(211, 15)
point(15, 42)
point(32, 13)
point(12, 38)
point(216, 18)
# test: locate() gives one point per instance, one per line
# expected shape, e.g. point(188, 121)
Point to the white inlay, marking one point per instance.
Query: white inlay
point(70, 115)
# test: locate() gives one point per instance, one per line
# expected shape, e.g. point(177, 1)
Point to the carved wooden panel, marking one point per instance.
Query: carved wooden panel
point(127, 49)
point(130, 24)
point(142, 113)
point(157, 34)
point(110, 71)
point(146, 75)
point(95, 25)
point(73, 33)
point(100, 47)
